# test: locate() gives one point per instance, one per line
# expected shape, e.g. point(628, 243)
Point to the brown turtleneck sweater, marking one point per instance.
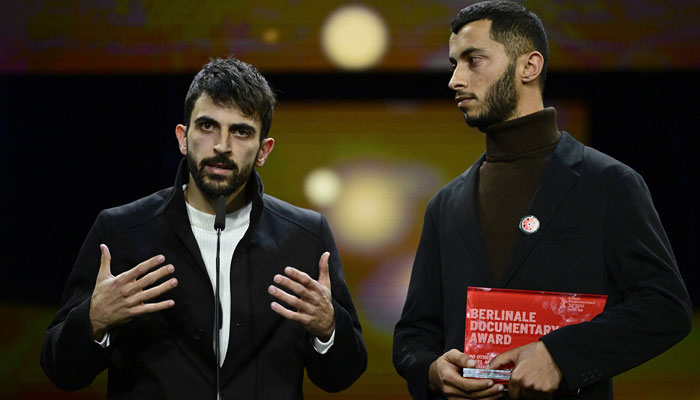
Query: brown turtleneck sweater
point(516, 152)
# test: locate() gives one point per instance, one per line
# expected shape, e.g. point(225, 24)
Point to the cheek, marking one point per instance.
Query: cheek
point(249, 154)
point(198, 144)
point(480, 84)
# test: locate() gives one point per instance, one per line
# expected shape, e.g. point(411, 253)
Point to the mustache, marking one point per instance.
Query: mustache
point(219, 160)
point(469, 95)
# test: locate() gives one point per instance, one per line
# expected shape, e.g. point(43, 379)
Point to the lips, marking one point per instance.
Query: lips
point(464, 100)
point(218, 165)
point(216, 170)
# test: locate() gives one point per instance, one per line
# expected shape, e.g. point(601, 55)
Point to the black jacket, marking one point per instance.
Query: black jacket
point(599, 234)
point(169, 354)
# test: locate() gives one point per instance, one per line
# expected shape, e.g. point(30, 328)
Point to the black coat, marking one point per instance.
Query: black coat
point(599, 234)
point(169, 354)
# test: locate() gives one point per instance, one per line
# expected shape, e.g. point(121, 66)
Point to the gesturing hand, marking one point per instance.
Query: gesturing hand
point(535, 375)
point(445, 377)
point(313, 301)
point(116, 300)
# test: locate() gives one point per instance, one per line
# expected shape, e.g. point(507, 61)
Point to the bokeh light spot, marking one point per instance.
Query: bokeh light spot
point(271, 35)
point(354, 37)
point(322, 187)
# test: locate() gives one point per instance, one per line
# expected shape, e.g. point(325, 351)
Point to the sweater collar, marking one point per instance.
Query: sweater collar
point(522, 137)
point(235, 220)
point(254, 188)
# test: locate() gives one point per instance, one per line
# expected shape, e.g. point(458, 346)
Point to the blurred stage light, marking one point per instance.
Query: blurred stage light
point(322, 187)
point(271, 35)
point(370, 214)
point(354, 37)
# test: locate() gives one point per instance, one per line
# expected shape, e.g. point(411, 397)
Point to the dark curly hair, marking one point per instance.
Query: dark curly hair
point(518, 29)
point(231, 82)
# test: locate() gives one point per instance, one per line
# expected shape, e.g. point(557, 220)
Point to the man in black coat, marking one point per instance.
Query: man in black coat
point(593, 229)
point(152, 325)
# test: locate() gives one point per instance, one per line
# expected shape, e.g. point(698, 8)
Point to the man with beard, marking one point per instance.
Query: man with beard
point(152, 325)
point(595, 230)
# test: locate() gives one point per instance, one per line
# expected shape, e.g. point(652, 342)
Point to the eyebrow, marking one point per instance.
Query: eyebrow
point(241, 126)
point(205, 118)
point(466, 52)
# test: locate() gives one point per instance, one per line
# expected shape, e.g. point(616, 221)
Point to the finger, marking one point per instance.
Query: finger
point(497, 396)
point(459, 358)
point(323, 273)
point(451, 371)
point(475, 387)
point(105, 261)
point(287, 298)
point(142, 268)
point(491, 394)
point(286, 313)
point(295, 287)
point(152, 277)
point(154, 292)
point(299, 276)
point(503, 359)
point(147, 308)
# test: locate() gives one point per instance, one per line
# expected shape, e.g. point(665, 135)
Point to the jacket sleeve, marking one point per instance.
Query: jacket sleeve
point(346, 360)
point(69, 356)
point(418, 336)
point(652, 311)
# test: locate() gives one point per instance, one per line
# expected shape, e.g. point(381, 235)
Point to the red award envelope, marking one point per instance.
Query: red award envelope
point(502, 319)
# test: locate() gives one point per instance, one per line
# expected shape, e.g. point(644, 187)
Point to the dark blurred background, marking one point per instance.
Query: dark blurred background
point(366, 130)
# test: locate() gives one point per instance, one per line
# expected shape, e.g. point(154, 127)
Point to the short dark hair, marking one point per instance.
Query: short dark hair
point(231, 82)
point(518, 29)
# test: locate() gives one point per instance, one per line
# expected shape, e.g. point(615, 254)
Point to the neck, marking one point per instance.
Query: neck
point(530, 102)
point(197, 199)
point(523, 136)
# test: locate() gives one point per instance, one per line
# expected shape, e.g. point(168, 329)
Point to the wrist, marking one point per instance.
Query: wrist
point(98, 330)
point(433, 377)
point(326, 336)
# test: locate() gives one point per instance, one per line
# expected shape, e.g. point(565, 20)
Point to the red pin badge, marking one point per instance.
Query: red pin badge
point(529, 224)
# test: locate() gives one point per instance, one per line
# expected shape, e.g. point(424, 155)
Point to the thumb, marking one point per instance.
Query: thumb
point(509, 357)
point(460, 359)
point(323, 275)
point(105, 263)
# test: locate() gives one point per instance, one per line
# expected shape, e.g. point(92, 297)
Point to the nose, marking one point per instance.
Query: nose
point(224, 143)
point(458, 80)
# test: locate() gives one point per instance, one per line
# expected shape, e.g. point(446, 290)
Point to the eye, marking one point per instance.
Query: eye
point(474, 60)
point(452, 68)
point(242, 132)
point(207, 126)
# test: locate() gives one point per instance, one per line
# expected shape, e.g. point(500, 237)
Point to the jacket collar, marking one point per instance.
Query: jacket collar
point(254, 188)
point(175, 211)
point(558, 177)
point(465, 210)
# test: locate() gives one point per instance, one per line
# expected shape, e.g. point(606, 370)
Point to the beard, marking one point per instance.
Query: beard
point(500, 100)
point(213, 186)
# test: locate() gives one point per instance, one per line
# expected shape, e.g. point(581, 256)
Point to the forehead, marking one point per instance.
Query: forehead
point(474, 35)
point(223, 114)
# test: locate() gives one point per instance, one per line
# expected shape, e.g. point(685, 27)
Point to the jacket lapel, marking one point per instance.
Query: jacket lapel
point(175, 212)
point(558, 177)
point(466, 215)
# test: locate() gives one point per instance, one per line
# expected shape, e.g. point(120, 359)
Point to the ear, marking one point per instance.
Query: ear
point(181, 133)
point(531, 66)
point(265, 149)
